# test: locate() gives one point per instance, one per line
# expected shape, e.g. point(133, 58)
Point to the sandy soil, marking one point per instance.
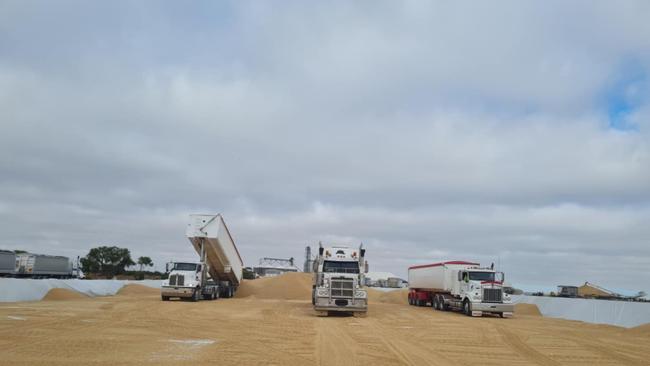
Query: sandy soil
point(272, 323)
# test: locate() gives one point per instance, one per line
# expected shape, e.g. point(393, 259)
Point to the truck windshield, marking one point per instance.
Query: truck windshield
point(340, 267)
point(481, 276)
point(185, 266)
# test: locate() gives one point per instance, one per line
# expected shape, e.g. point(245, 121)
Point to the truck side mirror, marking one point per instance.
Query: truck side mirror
point(367, 267)
point(166, 267)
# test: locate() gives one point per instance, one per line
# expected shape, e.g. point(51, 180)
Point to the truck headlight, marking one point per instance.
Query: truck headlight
point(360, 294)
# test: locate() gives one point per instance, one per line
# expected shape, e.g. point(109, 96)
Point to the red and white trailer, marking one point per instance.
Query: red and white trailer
point(459, 285)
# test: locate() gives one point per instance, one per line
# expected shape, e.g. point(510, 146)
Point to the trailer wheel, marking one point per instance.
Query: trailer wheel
point(439, 302)
point(443, 306)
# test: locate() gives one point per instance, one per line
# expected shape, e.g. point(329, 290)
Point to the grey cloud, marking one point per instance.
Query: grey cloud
point(426, 132)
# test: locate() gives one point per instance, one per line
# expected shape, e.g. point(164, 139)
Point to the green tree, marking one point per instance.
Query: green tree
point(108, 261)
point(145, 261)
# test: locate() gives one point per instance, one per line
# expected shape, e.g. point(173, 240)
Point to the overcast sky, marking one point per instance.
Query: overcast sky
point(499, 132)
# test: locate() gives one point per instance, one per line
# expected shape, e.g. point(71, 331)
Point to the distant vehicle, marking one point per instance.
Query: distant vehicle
point(219, 271)
point(567, 291)
point(338, 284)
point(7, 263)
point(37, 266)
point(459, 285)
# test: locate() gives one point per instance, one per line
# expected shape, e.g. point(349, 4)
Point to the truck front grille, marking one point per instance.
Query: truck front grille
point(492, 295)
point(342, 287)
point(176, 280)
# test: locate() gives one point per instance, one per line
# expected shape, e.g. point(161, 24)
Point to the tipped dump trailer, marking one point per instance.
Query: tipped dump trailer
point(459, 285)
point(220, 269)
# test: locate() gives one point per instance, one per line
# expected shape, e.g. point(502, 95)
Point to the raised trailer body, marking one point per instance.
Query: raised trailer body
point(221, 254)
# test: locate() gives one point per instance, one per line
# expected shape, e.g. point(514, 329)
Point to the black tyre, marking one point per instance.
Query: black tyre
point(434, 303)
point(165, 298)
point(467, 308)
point(195, 295)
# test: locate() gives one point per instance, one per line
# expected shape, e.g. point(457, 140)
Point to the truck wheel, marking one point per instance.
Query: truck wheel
point(165, 298)
point(434, 303)
point(195, 295)
point(467, 308)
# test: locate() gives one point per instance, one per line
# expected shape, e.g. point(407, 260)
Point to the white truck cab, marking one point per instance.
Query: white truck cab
point(188, 280)
point(338, 283)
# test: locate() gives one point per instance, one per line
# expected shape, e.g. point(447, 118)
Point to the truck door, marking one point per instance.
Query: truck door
point(464, 282)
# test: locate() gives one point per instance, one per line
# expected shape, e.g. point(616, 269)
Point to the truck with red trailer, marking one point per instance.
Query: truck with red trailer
point(459, 285)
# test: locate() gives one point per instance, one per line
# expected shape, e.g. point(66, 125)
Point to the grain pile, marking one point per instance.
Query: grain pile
point(289, 286)
point(388, 297)
point(527, 309)
point(58, 294)
point(137, 328)
point(640, 331)
point(136, 290)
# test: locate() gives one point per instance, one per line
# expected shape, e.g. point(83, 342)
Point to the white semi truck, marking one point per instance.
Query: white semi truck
point(338, 284)
point(459, 285)
point(219, 270)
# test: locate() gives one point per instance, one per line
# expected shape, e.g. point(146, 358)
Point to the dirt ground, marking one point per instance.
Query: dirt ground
point(271, 322)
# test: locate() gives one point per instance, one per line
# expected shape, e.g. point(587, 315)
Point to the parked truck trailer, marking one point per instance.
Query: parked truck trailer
point(7, 263)
point(219, 270)
point(459, 285)
point(43, 266)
